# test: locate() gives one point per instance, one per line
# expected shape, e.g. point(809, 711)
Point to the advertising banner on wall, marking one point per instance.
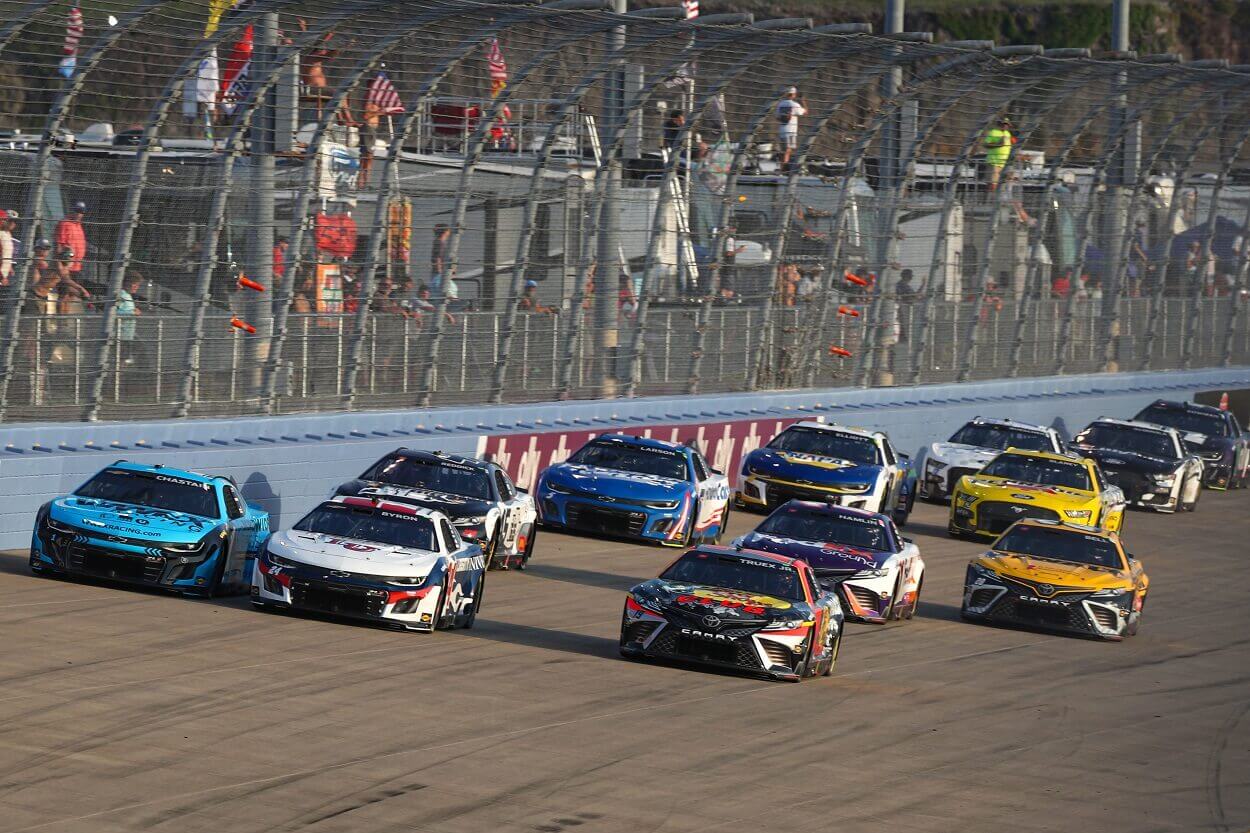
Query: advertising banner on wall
point(723, 443)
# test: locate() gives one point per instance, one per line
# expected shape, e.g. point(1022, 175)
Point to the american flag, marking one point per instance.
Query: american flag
point(382, 97)
point(73, 34)
point(691, 8)
point(498, 67)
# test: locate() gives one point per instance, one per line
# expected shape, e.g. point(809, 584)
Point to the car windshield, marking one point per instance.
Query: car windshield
point(823, 443)
point(159, 491)
point(657, 462)
point(379, 526)
point(1132, 440)
point(804, 523)
point(1001, 437)
point(1060, 545)
point(1039, 471)
point(762, 578)
point(432, 475)
point(1196, 422)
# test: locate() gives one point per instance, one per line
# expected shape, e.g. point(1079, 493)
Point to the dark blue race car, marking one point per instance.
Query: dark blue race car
point(635, 487)
point(152, 525)
point(1214, 435)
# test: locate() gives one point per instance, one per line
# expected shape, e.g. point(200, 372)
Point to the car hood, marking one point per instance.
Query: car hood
point(1129, 460)
point(614, 482)
point(697, 600)
point(818, 555)
point(351, 555)
point(1058, 573)
point(1000, 488)
point(817, 470)
point(960, 455)
point(131, 521)
point(453, 506)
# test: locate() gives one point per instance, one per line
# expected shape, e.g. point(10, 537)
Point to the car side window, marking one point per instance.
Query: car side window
point(812, 583)
point(700, 467)
point(1102, 484)
point(506, 492)
point(890, 459)
point(450, 536)
point(234, 506)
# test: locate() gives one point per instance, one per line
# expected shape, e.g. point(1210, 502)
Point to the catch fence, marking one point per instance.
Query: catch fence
point(306, 205)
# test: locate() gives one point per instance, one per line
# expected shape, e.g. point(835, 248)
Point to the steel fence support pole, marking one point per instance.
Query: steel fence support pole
point(33, 225)
point(793, 32)
point(569, 105)
point(847, 47)
point(473, 152)
point(1191, 337)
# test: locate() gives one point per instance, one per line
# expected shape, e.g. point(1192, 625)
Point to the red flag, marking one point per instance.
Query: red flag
point(234, 75)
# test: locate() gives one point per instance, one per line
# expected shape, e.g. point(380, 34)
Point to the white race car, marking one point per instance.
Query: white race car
point(968, 450)
point(370, 559)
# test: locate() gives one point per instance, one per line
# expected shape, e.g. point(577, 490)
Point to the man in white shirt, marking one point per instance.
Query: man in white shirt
point(788, 111)
point(6, 250)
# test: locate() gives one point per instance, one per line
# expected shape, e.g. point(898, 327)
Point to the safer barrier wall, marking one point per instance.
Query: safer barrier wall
point(287, 464)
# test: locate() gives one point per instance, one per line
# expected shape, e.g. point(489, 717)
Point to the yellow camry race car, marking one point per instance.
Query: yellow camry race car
point(1019, 484)
point(1060, 577)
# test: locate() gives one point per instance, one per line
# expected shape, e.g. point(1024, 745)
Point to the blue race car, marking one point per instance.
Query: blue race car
point(829, 463)
point(633, 487)
point(155, 526)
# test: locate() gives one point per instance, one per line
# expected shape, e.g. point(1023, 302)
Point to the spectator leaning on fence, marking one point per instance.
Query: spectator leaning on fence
point(438, 256)
point(529, 300)
point(70, 235)
point(127, 313)
point(998, 142)
point(6, 248)
point(788, 111)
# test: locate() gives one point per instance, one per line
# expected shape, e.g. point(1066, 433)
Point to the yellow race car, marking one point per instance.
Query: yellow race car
point(1020, 484)
point(1060, 577)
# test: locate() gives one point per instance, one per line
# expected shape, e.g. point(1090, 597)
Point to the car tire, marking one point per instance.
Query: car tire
point(219, 570)
point(833, 655)
point(915, 605)
point(529, 548)
point(1190, 506)
point(478, 592)
point(439, 617)
point(895, 612)
point(493, 547)
point(724, 522)
point(687, 537)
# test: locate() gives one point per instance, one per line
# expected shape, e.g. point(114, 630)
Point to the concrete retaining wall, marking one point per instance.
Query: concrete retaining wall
point(287, 464)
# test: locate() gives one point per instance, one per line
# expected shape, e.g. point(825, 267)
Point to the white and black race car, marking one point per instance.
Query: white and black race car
point(371, 559)
point(481, 500)
point(941, 464)
point(1150, 463)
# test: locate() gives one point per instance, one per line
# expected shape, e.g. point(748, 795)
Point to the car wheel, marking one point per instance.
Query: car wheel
point(529, 548)
point(493, 547)
point(724, 522)
point(219, 570)
point(833, 655)
point(687, 537)
point(441, 619)
point(1182, 503)
point(477, 602)
point(915, 605)
point(896, 610)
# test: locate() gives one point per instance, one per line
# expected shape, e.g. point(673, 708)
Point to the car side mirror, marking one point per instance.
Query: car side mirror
point(717, 471)
point(523, 491)
point(909, 541)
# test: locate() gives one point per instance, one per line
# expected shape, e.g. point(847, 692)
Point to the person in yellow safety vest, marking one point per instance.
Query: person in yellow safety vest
point(998, 142)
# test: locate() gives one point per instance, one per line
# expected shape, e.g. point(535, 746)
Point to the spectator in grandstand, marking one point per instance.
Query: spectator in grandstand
point(1015, 199)
point(626, 298)
point(439, 250)
point(70, 235)
point(991, 299)
point(529, 300)
point(127, 315)
point(729, 257)
point(280, 247)
point(998, 141)
point(904, 291)
point(673, 124)
point(788, 283)
point(809, 283)
point(1061, 285)
point(7, 254)
point(1200, 266)
point(787, 113)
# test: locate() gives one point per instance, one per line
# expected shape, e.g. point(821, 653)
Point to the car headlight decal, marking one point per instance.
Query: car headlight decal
point(1078, 514)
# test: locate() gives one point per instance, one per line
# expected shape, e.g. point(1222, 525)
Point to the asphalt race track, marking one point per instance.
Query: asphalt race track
point(130, 710)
